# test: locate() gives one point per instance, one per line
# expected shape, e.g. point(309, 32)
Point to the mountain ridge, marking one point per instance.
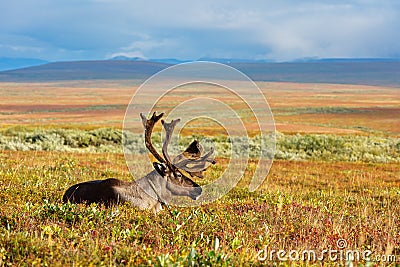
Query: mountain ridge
point(366, 72)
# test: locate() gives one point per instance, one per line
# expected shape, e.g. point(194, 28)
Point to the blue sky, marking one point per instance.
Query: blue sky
point(278, 30)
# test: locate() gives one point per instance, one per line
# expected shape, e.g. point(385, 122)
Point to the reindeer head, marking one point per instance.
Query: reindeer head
point(178, 183)
point(190, 160)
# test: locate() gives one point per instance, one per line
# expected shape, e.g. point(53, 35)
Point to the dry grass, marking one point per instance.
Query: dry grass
point(301, 205)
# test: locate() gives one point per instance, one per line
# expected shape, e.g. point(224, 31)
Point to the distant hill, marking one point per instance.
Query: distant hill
point(85, 70)
point(172, 61)
point(386, 73)
point(368, 73)
point(234, 60)
point(7, 63)
point(353, 60)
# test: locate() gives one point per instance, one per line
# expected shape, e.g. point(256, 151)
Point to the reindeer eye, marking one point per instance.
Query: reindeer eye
point(179, 175)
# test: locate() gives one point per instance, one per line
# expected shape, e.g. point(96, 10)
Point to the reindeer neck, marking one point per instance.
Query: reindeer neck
point(155, 186)
point(159, 198)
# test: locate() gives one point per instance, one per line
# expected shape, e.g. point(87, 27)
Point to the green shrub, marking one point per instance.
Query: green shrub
point(326, 147)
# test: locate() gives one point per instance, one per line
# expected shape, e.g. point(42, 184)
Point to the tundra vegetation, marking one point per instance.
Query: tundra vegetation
point(322, 187)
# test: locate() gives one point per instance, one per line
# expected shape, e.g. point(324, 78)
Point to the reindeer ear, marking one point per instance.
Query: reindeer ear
point(160, 168)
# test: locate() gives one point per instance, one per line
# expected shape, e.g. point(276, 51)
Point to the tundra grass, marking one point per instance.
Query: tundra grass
point(302, 205)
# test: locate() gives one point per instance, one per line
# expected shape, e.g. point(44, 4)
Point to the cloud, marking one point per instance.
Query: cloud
point(280, 30)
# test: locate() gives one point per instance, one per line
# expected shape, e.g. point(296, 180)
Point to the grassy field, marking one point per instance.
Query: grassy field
point(339, 179)
point(297, 108)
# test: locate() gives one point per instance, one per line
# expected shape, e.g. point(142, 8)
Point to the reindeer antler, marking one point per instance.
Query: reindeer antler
point(148, 129)
point(190, 160)
point(169, 129)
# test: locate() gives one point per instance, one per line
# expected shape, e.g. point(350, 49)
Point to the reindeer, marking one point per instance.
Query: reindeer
point(157, 187)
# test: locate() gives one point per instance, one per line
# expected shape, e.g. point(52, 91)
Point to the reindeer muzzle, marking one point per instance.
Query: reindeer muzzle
point(195, 193)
